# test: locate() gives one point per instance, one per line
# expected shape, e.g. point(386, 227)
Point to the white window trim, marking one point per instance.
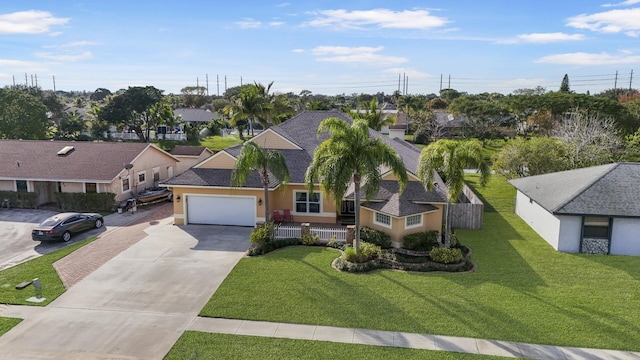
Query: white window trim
point(413, 226)
point(375, 220)
point(138, 177)
point(122, 184)
point(294, 209)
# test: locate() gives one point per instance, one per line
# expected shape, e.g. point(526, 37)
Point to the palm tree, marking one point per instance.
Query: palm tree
point(350, 155)
point(449, 158)
point(254, 158)
point(375, 117)
point(255, 102)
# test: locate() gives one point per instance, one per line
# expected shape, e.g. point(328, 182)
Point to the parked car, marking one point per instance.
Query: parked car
point(63, 225)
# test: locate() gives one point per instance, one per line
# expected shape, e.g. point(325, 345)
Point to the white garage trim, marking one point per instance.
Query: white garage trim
point(220, 209)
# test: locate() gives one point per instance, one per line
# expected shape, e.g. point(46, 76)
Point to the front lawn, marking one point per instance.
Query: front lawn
point(198, 345)
point(522, 289)
point(7, 323)
point(217, 143)
point(40, 267)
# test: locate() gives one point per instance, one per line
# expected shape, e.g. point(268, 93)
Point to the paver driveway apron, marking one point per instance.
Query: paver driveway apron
point(138, 303)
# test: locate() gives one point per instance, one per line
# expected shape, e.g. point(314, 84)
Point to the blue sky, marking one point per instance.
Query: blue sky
point(327, 47)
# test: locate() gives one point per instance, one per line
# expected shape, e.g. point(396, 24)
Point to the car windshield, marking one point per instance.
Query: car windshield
point(50, 221)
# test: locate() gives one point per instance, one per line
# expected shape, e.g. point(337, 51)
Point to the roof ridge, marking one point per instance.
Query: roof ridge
point(587, 186)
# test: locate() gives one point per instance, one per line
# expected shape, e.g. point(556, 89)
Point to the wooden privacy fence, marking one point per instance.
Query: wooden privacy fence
point(467, 214)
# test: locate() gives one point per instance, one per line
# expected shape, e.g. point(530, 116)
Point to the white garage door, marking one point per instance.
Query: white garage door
point(221, 210)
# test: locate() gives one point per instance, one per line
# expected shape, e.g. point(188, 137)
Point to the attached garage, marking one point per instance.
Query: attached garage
point(221, 210)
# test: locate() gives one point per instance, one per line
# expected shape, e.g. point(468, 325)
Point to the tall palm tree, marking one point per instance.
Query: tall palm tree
point(375, 117)
point(449, 158)
point(350, 155)
point(255, 101)
point(254, 158)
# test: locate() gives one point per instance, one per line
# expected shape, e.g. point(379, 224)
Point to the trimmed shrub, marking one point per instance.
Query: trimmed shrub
point(96, 202)
point(346, 266)
point(19, 199)
point(334, 243)
point(263, 234)
point(421, 241)
point(376, 237)
point(367, 252)
point(310, 239)
point(265, 248)
point(446, 256)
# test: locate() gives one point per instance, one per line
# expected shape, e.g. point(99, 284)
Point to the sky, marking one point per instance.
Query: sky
point(326, 47)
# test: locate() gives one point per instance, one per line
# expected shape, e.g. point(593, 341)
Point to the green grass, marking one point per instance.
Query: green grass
point(217, 143)
point(7, 323)
point(522, 290)
point(40, 267)
point(198, 345)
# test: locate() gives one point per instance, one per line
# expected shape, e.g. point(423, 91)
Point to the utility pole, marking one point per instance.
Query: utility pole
point(631, 80)
point(225, 83)
point(406, 86)
point(14, 80)
point(36, 76)
point(207, 84)
point(54, 83)
point(197, 82)
point(399, 84)
point(615, 84)
point(217, 84)
point(449, 82)
point(440, 81)
point(26, 80)
point(240, 81)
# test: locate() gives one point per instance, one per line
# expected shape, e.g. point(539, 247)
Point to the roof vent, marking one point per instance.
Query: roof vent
point(66, 150)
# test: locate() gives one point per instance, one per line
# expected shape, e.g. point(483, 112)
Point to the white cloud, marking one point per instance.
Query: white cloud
point(624, 3)
point(613, 21)
point(297, 50)
point(358, 55)
point(276, 23)
point(411, 73)
point(285, 4)
point(65, 57)
point(382, 18)
point(543, 38)
point(582, 58)
point(70, 45)
point(29, 22)
point(249, 23)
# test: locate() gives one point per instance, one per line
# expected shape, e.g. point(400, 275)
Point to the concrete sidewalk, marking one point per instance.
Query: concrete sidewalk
point(405, 340)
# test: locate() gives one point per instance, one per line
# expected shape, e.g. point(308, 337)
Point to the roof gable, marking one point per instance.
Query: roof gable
point(188, 150)
point(270, 139)
point(220, 160)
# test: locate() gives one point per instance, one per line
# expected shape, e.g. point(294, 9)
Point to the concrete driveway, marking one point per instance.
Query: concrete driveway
point(16, 245)
point(137, 304)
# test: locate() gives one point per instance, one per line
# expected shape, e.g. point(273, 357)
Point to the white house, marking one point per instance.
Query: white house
point(589, 210)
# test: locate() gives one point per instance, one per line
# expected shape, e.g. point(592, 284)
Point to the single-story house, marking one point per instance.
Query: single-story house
point(203, 194)
point(196, 116)
point(189, 156)
point(589, 210)
point(47, 167)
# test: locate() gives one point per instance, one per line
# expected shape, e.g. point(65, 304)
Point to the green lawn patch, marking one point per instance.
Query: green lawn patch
point(217, 143)
point(7, 323)
point(40, 267)
point(199, 345)
point(522, 289)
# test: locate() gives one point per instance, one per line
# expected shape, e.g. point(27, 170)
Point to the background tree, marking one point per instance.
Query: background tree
point(590, 138)
point(194, 96)
point(22, 116)
point(71, 126)
point(564, 86)
point(374, 116)
point(449, 158)
point(350, 155)
point(100, 94)
point(535, 156)
point(254, 158)
point(132, 108)
point(482, 113)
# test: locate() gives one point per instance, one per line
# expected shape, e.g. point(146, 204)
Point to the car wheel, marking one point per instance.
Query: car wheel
point(98, 223)
point(66, 236)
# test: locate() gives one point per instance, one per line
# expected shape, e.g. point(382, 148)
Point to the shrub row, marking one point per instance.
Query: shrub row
point(421, 241)
point(376, 237)
point(264, 248)
point(90, 202)
point(24, 200)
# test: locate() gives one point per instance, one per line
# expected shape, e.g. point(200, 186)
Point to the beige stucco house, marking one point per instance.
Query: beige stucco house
point(203, 194)
point(189, 156)
point(47, 167)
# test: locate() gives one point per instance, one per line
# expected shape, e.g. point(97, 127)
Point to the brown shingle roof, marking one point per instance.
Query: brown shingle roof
point(187, 150)
point(38, 160)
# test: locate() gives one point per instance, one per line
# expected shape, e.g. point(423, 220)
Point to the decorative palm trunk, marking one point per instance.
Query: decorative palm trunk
point(356, 189)
point(447, 226)
point(265, 185)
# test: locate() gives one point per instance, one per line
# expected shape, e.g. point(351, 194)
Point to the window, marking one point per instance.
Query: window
point(21, 185)
point(413, 221)
point(91, 187)
point(156, 174)
point(125, 185)
point(596, 227)
point(142, 177)
point(307, 202)
point(382, 219)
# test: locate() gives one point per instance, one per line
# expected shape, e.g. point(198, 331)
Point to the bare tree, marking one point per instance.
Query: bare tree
point(591, 139)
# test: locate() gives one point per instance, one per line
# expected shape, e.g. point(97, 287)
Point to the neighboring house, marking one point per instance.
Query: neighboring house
point(203, 195)
point(589, 210)
point(189, 156)
point(47, 167)
point(195, 116)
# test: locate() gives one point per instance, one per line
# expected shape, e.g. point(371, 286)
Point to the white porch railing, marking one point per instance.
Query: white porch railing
point(152, 136)
point(324, 233)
